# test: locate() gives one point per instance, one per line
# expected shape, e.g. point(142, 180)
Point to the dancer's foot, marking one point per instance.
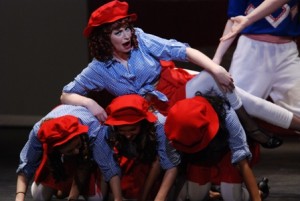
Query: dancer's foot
point(216, 196)
point(254, 132)
point(266, 141)
point(264, 188)
point(215, 193)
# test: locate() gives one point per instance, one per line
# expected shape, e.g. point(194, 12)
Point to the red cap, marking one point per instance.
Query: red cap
point(57, 131)
point(191, 124)
point(128, 109)
point(107, 13)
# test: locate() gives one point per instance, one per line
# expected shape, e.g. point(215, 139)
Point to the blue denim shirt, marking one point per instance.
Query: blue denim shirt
point(143, 69)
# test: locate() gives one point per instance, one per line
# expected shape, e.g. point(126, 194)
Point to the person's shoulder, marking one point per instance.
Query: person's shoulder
point(97, 65)
point(95, 62)
point(139, 32)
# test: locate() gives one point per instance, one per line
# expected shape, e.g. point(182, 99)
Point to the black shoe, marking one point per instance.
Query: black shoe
point(264, 187)
point(266, 141)
point(272, 143)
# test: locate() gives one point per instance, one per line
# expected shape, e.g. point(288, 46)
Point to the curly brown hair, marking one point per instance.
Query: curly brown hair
point(99, 43)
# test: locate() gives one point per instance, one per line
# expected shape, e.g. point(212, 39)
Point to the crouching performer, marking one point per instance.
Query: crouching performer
point(214, 148)
point(64, 154)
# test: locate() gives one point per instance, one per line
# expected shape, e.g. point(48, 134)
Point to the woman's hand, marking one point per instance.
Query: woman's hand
point(97, 110)
point(223, 79)
point(264, 9)
point(221, 76)
point(239, 23)
point(90, 104)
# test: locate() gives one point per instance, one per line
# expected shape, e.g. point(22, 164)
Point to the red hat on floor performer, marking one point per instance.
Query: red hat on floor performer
point(128, 109)
point(191, 124)
point(57, 131)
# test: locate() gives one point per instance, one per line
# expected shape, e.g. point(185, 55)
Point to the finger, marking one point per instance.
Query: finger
point(98, 117)
point(232, 86)
point(228, 88)
point(223, 88)
point(227, 36)
point(103, 117)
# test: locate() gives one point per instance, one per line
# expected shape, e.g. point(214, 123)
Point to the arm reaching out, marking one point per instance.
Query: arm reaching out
point(168, 180)
point(115, 185)
point(224, 45)
point(151, 178)
point(21, 189)
point(264, 9)
point(249, 180)
point(90, 104)
point(220, 74)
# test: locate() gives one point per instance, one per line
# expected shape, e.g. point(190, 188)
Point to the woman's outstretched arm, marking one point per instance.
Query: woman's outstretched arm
point(264, 9)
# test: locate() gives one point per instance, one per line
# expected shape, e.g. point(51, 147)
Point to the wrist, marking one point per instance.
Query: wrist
point(20, 196)
point(89, 103)
point(249, 20)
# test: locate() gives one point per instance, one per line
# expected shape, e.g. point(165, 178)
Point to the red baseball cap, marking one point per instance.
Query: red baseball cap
point(57, 131)
point(191, 124)
point(128, 109)
point(107, 13)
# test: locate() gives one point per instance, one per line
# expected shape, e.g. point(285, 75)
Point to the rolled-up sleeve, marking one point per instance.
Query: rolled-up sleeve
point(237, 138)
point(168, 156)
point(104, 156)
point(30, 155)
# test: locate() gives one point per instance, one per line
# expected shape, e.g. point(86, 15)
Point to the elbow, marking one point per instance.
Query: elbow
point(188, 54)
point(63, 97)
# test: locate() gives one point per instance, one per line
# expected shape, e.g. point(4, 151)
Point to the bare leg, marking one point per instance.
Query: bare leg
point(295, 124)
point(41, 192)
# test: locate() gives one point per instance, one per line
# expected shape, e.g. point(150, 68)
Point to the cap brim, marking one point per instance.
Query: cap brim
point(130, 120)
